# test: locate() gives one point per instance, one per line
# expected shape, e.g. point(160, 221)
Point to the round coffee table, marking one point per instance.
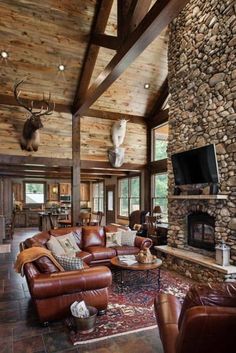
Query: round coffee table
point(122, 267)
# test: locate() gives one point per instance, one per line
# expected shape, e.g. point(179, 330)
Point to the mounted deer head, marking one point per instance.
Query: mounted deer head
point(30, 135)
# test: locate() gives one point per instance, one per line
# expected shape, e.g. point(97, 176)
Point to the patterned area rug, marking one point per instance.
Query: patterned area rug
point(5, 248)
point(131, 309)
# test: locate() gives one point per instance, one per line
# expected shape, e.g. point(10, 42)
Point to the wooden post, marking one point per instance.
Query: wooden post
point(75, 169)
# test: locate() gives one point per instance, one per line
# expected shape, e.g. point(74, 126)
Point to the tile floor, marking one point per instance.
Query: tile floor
point(20, 331)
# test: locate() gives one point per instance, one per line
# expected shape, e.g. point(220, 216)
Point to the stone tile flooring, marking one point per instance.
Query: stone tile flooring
point(20, 331)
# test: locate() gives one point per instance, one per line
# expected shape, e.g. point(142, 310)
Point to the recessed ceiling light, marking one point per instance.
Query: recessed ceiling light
point(61, 67)
point(4, 54)
point(146, 85)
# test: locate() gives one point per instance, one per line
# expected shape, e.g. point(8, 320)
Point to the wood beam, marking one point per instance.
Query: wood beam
point(158, 166)
point(105, 41)
point(10, 100)
point(85, 164)
point(160, 118)
point(101, 16)
point(31, 160)
point(116, 116)
point(163, 94)
point(76, 170)
point(137, 12)
point(160, 15)
point(123, 7)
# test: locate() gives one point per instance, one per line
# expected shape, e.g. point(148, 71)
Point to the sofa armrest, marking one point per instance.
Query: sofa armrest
point(167, 309)
point(52, 285)
point(142, 243)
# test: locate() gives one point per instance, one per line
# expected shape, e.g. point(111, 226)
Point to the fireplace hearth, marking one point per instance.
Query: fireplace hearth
point(201, 230)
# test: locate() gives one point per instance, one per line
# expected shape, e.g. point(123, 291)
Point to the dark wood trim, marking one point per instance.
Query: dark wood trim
point(85, 164)
point(163, 94)
point(10, 100)
point(102, 12)
point(158, 166)
point(135, 119)
point(123, 7)
point(40, 161)
point(160, 118)
point(137, 12)
point(105, 41)
point(76, 177)
point(160, 15)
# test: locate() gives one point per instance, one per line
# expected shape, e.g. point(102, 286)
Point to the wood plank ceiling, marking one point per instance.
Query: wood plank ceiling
point(91, 38)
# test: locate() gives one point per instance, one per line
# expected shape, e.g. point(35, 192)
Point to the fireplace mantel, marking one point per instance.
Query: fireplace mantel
point(198, 197)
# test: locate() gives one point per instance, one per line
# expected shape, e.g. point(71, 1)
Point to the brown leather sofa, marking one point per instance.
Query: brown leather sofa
point(53, 291)
point(206, 323)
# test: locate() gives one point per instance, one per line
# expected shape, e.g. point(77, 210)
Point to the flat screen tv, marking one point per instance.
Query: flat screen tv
point(197, 166)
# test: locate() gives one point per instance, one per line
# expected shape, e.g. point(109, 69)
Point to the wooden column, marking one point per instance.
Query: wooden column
point(76, 169)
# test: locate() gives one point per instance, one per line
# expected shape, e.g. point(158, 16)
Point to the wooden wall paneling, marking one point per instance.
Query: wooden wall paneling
point(84, 191)
point(153, 23)
point(17, 190)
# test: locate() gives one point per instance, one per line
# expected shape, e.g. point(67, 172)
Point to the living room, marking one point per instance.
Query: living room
point(166, 71)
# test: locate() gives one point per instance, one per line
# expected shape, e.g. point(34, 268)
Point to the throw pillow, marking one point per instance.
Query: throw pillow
point(113, 239)
point(70, 263)
point(54, 246)
point(68, 243)
point(128, 237)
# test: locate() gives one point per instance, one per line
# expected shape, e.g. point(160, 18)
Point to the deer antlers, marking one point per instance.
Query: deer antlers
point(50, 106)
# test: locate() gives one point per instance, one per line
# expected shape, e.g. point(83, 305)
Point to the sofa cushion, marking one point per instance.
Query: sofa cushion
point(68, 243)
point(70, 263)
point(209, 295)
point(93, 236)
point(77, 232)
point(54, 246)
point(113, 239)
point(100, 252)
point(45, 265)
point(85, 256)
point(128, 237)
point(126, 250)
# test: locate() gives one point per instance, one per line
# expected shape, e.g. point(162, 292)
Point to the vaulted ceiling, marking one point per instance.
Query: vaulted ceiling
point(110, 50)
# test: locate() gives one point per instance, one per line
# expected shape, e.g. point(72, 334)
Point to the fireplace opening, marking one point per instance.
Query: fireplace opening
point(201, 231)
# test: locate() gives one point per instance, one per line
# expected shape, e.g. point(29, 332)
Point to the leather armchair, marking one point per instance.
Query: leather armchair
point(205, 323)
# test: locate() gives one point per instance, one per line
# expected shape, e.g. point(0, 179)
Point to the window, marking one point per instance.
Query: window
point(160, 142)
point(98, 197)
point(34, 193)
point(129, 195)
point(160, 182)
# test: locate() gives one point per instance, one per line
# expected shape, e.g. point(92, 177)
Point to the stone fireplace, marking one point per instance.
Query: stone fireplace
point(202, 111)
point(201, 231)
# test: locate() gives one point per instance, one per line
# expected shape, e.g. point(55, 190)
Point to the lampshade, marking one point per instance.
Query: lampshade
point(157, 209)
point(54, 189)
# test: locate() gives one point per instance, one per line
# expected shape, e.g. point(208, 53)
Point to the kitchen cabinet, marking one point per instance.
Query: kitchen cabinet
point(84, 191)
point(53, 192)
point(17, 189)
point(26, 218)
point(65, 189)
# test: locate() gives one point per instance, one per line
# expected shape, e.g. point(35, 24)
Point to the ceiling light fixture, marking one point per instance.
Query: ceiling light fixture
point(4, 54)
point(61, 67)
point(146, 85)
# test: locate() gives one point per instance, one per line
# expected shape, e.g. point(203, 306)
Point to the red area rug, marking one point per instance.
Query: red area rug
point(132, 309)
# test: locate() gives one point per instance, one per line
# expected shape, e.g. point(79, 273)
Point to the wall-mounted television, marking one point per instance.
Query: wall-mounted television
point(196, 166)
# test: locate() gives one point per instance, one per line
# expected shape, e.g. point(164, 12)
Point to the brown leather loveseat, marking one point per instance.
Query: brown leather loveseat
point(206, 323)
point(53, 291)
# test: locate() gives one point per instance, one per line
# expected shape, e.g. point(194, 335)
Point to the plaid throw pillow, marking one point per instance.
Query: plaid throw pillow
point(70, 263)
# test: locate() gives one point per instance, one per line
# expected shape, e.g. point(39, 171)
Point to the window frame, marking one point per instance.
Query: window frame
point(153, 140)
point(154, 196)
point(44, 192)
point(99, 198)
point(129, 197)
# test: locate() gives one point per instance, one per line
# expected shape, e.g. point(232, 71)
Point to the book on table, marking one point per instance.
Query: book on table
point(128, 259)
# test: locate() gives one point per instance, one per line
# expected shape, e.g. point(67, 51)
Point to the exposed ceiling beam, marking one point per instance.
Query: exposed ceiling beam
point(116, 116)
point(101, 16)
point(31, 160)
point(10, 100)
point(159, 16)
point(136, 13)
point(106, 41)
point(160, 118)
point(163, 94)
point(107, 166)
point(123, 7)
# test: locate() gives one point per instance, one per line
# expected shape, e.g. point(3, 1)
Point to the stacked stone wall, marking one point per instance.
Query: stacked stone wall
point(202, 108)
